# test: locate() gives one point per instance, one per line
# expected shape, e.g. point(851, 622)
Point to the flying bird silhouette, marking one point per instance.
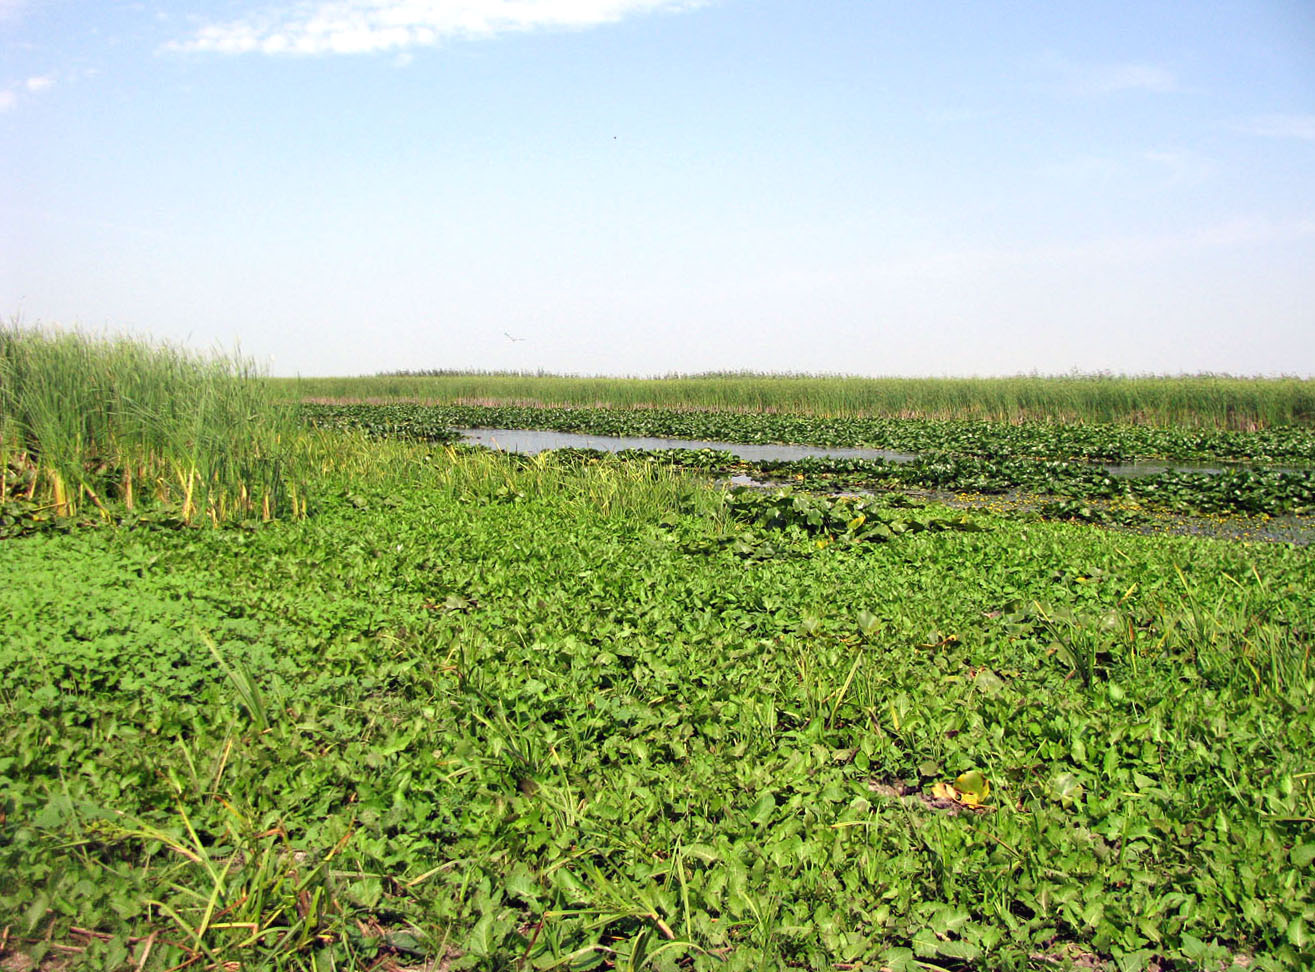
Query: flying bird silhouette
point(512, 339)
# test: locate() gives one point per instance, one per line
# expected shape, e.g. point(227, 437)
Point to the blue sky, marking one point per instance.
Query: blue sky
point(654, 186)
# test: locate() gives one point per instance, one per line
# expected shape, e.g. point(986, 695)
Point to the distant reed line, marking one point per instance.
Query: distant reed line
point(1212, 401)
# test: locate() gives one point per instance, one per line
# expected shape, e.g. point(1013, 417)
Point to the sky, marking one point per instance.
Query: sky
point(642, 187)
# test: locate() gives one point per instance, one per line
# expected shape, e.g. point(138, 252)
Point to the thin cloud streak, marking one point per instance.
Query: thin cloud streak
point(987, 262)
point(1281, 126)
point(1107, 79)
point(375, 26)
point(1131, 77)
point(1183, 168)
point(1169, 167)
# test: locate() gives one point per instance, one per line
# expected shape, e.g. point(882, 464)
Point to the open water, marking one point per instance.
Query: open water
point(531, 441)
point(1295, 530)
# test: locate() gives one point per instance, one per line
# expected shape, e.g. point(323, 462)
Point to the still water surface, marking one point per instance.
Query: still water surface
point(531, 441)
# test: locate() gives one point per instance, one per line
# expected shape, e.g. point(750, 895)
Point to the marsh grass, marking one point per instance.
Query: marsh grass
point(607, 487)
point(1242, 638)
point(1209, 401)
point(89, 421)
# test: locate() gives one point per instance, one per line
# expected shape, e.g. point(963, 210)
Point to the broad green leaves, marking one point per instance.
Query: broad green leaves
point(472, 720)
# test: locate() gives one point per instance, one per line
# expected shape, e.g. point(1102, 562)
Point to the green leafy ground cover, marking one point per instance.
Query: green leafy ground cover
point(484, 712)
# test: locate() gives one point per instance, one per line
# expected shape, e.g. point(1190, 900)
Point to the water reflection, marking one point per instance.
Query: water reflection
point(530, 441)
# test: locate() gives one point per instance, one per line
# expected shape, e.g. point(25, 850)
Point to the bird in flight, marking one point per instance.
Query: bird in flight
point(512, 339)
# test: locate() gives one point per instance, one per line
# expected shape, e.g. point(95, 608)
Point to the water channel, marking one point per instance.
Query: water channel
point(531, 441)
point(1289, 529)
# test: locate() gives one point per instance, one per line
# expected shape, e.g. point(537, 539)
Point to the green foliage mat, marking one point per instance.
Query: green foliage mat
point(495, 730)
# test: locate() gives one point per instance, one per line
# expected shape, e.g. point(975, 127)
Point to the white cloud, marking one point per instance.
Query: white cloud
point(1281, 126)
point(1112, 78)
point(1101, 252)
point(1084, 169)
point(371, 26)
point(958, 116)
point(1223, 235)
point(1104, 79)
point(1157, 167)
point(1183, 168)
point(10, 93)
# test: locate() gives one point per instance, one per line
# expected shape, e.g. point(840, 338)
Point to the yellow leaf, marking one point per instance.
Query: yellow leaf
point(943, 791)
point(973, 788)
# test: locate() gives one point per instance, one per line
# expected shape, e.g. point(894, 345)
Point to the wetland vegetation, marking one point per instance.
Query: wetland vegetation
point(1209, 401)
point(1264, 473)
point(88, 422)
point(452, 708)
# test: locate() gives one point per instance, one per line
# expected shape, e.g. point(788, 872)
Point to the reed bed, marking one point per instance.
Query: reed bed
point(1208, 401)
point(98, 421)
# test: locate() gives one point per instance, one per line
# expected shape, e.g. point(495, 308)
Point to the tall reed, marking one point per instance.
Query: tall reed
point(93, 421)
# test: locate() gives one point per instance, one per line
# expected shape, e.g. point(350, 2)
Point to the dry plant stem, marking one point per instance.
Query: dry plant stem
point(146, 950)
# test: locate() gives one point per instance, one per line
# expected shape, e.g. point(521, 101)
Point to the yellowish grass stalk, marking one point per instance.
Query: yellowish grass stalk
point(63, 506)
